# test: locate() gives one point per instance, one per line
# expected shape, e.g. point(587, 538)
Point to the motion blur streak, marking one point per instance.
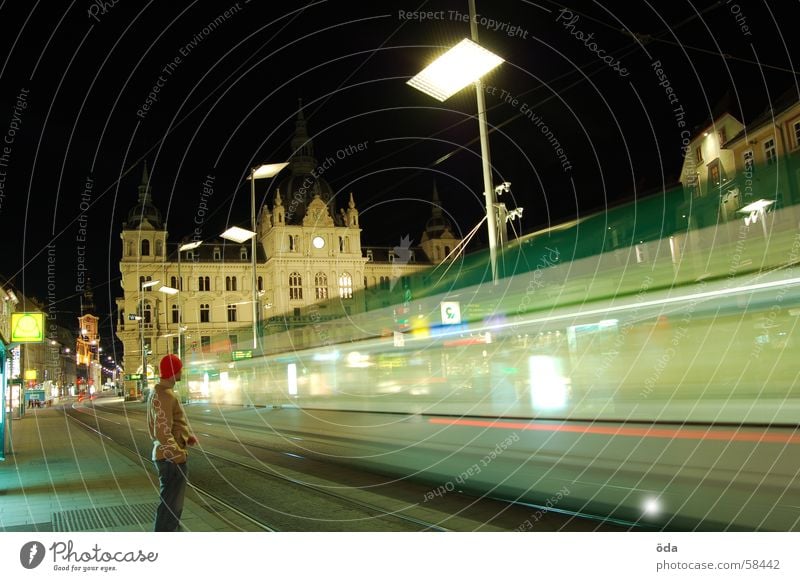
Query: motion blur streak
point(680, 434)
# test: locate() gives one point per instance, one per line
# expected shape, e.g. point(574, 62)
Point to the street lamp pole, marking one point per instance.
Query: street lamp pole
point(144, 285)
point(240, 235)
point(182, 248)
point(253, 253)
point(488, 189)
point(461, 66)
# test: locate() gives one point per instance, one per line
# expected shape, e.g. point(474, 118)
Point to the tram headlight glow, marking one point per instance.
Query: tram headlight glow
point(548, 385)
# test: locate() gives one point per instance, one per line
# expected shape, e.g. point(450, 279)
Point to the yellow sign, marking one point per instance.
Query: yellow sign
point(27, 327)
point(30, 374)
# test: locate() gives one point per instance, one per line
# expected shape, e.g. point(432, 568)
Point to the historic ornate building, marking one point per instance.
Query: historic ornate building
point(310, 267)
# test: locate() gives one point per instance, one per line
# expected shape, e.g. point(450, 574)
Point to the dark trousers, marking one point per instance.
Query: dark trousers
point(172, 478)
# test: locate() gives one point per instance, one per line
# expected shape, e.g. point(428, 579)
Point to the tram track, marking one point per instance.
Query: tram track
point(355, 512)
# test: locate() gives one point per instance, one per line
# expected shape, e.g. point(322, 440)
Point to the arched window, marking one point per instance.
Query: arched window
point(145, 248)
point(291, 243)
point(176, 314)
point(261, 283)
point(176, 282)
point(345, 286)
point(446, 251)
point(130, 248)
point(159, 248)
point(321, 285)
point(204, 283)
point(243, 252)
point(230, 283)
point(295, 286)
point(148, 315)
point(217, 253)
point(205, 313)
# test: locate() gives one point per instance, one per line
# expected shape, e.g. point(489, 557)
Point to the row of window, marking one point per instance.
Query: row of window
point(144, 250)
point(203, 283)
point(205, 314)
point(205, 343)
point(320, 286)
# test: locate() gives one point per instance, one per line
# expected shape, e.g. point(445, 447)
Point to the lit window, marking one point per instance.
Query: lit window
point(770, 153)
point(345, 286)
point(295, 286)
point(321, 286)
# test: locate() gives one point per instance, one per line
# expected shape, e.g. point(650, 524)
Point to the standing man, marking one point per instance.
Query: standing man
point(169, 429)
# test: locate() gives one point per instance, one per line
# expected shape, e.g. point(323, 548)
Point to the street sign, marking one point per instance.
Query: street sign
point(133, 376)
point(239, 355)
point(27, 327)
point(132, 317)
point(451, 312)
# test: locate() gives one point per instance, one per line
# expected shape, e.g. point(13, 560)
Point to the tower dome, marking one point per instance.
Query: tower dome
point(144, 210)
point(301, 186)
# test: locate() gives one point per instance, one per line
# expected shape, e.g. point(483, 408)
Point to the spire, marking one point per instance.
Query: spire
point(278, 212)
point(144, 187)
point(87, 300)
point(436, 204)
point(352, 213)
point(301, 142)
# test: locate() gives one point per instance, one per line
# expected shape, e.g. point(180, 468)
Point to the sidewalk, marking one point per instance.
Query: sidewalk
point(60, 477)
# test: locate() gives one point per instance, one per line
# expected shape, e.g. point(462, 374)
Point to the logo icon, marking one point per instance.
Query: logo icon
point(31, 554)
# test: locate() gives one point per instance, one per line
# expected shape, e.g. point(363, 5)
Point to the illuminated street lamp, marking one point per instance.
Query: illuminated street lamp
point(144, 285)
point(462, 65)
point(240, 235)
point(183, 248)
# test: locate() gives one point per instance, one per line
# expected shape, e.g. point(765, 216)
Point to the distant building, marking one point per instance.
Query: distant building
point(728, 166)
point(310, 267)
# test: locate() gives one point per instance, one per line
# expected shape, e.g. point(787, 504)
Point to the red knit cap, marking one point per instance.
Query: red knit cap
point(170, 366)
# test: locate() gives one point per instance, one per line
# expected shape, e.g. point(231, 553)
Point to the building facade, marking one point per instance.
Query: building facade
point(310, 266)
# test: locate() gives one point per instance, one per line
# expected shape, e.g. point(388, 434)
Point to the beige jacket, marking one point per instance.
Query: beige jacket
point(167, 424)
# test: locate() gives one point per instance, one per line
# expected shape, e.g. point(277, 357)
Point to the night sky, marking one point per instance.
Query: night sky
point(78, 104)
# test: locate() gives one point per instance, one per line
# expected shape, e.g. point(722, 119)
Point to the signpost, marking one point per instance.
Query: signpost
point(451, 312)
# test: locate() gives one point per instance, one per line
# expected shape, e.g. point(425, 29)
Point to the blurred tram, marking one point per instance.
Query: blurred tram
point(657, 380)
